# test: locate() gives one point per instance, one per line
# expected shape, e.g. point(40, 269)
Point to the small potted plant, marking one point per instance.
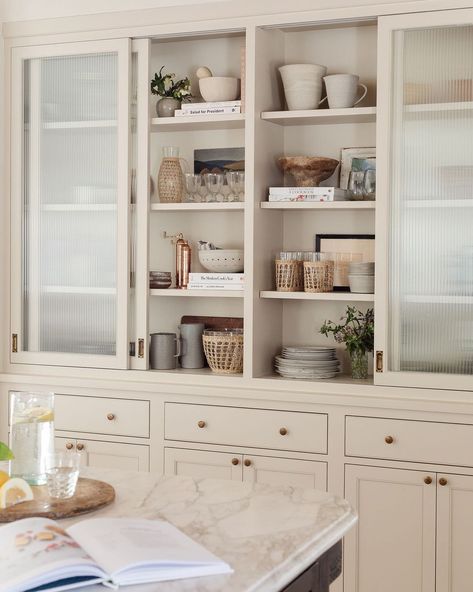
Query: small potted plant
point(172, 92)
point(356, 331)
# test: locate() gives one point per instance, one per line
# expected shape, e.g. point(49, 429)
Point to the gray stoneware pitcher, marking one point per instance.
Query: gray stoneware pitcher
point(192, 350)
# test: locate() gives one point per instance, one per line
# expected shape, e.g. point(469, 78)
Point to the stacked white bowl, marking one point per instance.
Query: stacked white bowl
point(361, 277)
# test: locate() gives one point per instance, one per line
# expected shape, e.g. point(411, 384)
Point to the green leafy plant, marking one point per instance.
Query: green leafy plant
point(356, 330)
point(5, 452)
point(164, 85)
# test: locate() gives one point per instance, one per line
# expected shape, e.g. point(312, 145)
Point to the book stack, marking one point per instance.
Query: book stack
point(219, 108)
point(216, 281)
point(306, 194)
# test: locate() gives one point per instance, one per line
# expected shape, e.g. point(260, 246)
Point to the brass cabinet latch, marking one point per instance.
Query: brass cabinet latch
point(14, 343)
point(131, 349)
point(379, 361)
point(141, 348)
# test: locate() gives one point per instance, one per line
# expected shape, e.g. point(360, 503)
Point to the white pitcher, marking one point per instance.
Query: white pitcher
point(302, 85)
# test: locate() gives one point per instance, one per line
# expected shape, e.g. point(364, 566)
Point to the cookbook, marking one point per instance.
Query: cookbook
point(36, 554)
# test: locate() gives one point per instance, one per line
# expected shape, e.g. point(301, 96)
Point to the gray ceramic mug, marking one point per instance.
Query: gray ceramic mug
point(164, 350)
point(192, 349)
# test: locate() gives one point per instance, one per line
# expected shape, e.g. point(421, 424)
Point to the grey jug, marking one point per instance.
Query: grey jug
point(192, 350)
point(164, 350)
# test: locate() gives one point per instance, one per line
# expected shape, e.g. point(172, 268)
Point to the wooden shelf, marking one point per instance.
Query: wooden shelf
point(232, 206)
point(79, 208)
point(197, 293)
point(439, 203)
point(57, 125)
point(324, 205)
point(321, 116)
point(198, 122)
point(440, 299)
point(432, 108)
point(78, 290)
point(330, 296)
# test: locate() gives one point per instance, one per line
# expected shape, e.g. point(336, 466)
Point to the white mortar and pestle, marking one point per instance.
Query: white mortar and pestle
point(217, 88)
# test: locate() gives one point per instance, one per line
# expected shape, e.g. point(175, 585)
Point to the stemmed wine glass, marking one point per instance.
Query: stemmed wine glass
point(214, 183)
point(236, 180)
point(193, 183)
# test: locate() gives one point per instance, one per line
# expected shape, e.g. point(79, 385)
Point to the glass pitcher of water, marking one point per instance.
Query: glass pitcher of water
point(32, 434)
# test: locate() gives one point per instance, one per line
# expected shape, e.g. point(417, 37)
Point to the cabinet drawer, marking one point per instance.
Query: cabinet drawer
point(101, 415)
point(251, 428)
point(415, 441)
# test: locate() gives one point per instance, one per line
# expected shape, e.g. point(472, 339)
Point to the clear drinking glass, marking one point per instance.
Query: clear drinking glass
point(355, 185)
point(369, 185)
point(214, 183)
point(193, 183)
point(236, 180)
point(62, 473)
point(32, 434)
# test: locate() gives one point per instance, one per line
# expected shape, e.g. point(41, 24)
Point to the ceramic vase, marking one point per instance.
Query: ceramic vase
point(302, 85)
point(166, 106)
point(359, 364)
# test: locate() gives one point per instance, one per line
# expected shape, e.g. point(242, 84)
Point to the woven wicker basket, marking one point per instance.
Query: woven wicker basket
point(318, 276)
point(289, 276)
point(224, 351)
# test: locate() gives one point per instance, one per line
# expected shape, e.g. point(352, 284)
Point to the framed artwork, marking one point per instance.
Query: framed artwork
point(355, 159)
point(218, 160)
point(348, 247)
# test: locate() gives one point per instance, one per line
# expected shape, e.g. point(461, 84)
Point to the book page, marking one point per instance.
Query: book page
point(118, 544)
point(37, 551)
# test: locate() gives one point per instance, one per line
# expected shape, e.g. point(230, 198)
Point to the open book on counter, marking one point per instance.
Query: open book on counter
point(37, 554)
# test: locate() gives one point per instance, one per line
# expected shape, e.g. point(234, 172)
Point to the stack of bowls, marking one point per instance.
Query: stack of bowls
point(361, 277)
point(159, 280)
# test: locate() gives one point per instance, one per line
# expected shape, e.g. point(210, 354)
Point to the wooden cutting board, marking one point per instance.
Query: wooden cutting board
point(215, 322)
point(90, 495)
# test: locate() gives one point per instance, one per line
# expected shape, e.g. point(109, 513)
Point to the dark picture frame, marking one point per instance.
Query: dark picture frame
point(345, 243)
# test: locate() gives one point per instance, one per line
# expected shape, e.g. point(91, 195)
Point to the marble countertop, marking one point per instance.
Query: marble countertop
point(269, 535)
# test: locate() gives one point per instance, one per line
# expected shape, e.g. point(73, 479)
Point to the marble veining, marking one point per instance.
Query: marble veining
point(269, 535)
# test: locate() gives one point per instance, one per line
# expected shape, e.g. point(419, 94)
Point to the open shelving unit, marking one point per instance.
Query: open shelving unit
point(326, 205)
point(232, 206)
point(321, 116)
point(327, 296)
point(198, 123)
point(171, 292)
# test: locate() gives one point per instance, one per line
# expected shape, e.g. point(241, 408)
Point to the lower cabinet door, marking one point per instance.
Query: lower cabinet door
point(392, 547)
point(285, 471)
point(454, 531)
point(202, 464)
point(113, 455)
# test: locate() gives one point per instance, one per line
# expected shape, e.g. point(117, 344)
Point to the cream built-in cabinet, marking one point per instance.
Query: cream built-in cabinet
point(86, 228)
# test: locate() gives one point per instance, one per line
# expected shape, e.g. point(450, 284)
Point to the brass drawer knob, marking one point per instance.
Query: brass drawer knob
point(247, 462)
point(442, 481)
point(80, 446)
point(283, 431)
point(201, 424)
point(235, 461)
point(111, 416)
point(427, 480)
point(69, 446)
point(389, 439)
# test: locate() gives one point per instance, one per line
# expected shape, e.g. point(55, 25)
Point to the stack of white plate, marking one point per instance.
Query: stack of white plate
point(307, 362)
point(361, 277)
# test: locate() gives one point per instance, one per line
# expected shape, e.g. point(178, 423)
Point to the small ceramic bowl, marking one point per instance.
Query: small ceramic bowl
point(219, 88)
point(159, 280)
point(222, 260)
point(361, 284)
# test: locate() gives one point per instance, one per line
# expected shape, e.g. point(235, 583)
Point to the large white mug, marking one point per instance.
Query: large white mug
point(302, 85)
point(342, 90)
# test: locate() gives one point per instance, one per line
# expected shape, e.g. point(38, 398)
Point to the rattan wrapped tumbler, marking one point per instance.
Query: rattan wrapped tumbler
point(224, 350)
point(318, 276)
point(289, 276)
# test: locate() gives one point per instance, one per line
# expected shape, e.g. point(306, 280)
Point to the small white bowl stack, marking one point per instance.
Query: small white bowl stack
point(307, 362)
point(361, 277)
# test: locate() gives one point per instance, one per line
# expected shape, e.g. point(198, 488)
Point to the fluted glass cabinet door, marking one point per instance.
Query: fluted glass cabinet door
point(70, 196)
point(425, 151)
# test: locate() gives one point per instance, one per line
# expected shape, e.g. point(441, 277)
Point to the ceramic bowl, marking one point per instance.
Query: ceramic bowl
point(222, 260)
point(219, 88)
point(159, 280)
point(361, 284)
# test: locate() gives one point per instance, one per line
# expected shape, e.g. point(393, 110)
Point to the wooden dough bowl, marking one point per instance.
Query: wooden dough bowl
point(308, 171)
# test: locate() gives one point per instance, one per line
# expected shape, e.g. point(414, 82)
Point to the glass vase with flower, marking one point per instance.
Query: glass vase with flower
point(356, 331)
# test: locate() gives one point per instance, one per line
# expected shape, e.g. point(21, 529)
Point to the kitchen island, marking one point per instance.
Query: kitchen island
point(274, 538)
